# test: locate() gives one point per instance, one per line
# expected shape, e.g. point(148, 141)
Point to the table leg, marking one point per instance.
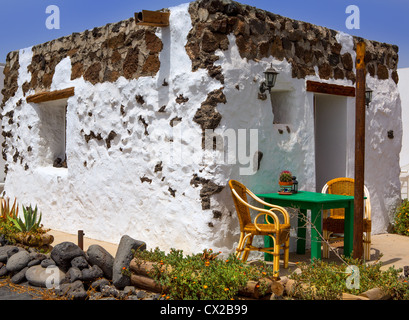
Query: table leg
point(349, 229)
point(301, 231)
point(316, 232)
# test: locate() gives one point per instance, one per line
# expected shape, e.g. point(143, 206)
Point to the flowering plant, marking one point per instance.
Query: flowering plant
point(286, 176)
point(204, 276)
point(401, 225)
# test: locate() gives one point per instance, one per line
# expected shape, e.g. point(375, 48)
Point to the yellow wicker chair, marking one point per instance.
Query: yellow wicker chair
point(279, 232)
point(333, 220)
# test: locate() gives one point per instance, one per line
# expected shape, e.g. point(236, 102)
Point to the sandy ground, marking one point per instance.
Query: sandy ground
point(60, 236)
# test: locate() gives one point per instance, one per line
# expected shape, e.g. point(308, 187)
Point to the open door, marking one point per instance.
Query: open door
point(331, 138)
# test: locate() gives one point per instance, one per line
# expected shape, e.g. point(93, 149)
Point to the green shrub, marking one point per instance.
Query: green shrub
point(327, 281)
point(401, 223)
point(202, 276)
point(7, 229)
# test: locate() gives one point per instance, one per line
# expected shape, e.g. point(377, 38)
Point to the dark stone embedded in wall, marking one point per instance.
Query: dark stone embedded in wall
point(158, 167)
point(209, 188)
point(111, 136)
point(146, 179)
point(139, 99)
point(145, 124)
point(172, 192)
point(122, 109)
point(217, 214)
point(16, 155)
point(207, 116)
point(92, 135)
point(181, 99)
point(175, 121)
point(261, 34)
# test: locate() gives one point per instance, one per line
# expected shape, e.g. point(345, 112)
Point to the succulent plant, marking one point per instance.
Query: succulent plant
point(31, 221)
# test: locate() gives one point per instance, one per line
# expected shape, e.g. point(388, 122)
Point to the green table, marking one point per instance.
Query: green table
point(316, 202)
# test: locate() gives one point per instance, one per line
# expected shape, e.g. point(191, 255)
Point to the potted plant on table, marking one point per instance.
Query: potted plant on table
point(285, 181)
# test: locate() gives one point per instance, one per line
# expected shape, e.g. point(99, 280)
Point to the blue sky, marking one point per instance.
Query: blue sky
point(22, 22)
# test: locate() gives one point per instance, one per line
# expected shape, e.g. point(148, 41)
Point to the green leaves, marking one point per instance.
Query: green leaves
point(31, 221)
point(328, 280)
point(202, 276)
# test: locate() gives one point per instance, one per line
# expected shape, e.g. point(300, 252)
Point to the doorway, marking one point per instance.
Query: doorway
point(331, 137)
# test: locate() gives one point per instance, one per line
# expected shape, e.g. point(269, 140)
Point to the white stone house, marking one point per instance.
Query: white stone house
point(104, 129)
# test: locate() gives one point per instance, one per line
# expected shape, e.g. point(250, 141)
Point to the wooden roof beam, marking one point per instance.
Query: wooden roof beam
point(152, 18)
point(51, 95)
point(320, 87)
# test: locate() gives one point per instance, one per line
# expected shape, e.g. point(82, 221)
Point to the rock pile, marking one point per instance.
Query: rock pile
point(74, 273)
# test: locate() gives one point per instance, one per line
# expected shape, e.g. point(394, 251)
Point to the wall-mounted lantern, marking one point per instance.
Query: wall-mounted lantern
point(368, 96)
point(270, 79)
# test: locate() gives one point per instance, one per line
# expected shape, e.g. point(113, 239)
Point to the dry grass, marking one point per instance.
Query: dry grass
point(35, 292)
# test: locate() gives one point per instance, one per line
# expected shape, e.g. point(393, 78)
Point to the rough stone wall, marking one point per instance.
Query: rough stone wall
point(11, 75)
point(261, 34)
point(102, 54)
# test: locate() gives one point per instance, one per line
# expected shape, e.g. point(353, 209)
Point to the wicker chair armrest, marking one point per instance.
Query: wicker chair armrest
point(262, 211)
point(267, 213)
point(282, 210)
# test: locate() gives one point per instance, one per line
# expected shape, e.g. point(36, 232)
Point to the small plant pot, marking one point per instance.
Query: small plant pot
point(285, 187)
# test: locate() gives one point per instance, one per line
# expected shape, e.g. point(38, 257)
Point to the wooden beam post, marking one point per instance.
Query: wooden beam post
point(359, 151)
